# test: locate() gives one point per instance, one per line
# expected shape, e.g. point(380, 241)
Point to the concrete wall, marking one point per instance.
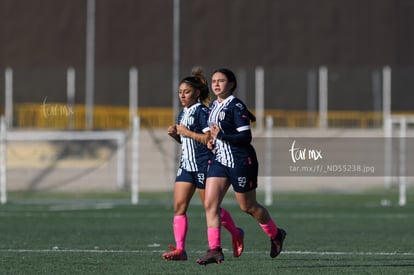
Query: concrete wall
point(40, 39)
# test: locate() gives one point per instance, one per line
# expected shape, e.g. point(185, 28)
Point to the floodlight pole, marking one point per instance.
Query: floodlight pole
point(176, 66)
point(176, 56)
point(90, 63)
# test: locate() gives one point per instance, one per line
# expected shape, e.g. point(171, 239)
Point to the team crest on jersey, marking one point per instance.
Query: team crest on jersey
point(240, 106)
point(222, 115)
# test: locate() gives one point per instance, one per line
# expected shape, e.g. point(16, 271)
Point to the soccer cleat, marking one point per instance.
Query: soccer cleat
point(175, 254)
point(238, 243)
point(212, 256)
point(276, 244)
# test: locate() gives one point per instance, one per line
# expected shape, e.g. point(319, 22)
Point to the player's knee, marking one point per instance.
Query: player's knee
point(180, 209)
point(249, 209)
point(208, 206)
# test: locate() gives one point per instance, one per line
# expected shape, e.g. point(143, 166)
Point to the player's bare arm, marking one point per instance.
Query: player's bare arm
point(199, 137)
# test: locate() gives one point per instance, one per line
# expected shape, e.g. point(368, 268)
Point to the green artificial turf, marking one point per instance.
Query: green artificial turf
point(327, 234)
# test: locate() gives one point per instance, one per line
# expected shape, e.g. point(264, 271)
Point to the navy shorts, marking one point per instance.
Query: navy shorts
point(243, 179)
point(197, 178)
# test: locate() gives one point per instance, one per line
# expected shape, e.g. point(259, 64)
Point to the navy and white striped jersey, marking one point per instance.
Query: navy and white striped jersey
point(194, 155)
point(233, 144)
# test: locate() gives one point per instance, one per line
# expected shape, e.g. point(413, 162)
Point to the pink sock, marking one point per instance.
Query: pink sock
point(180, 226)
point(228, 223)
point(214, 237)
point(270, 228)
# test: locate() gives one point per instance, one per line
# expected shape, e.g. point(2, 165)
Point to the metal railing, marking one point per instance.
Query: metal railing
point(61, 116)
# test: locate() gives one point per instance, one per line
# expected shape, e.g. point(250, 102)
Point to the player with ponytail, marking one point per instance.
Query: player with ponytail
point(193, 133)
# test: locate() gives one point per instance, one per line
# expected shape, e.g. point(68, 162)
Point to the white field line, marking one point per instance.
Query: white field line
point(104, 251)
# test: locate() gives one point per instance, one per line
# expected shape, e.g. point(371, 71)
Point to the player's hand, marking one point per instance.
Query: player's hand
point(172, 130)
point(182, 130)
point(211, 144)
point(214, 130)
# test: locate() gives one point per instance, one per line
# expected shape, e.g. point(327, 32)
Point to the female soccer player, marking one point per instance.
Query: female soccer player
point(192, 132)
point(234, 163)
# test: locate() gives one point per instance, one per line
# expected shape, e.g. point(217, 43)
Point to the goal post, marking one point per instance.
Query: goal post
point(120, 137)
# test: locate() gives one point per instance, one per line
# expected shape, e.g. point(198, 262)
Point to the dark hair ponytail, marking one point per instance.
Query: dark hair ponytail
point(199, 82)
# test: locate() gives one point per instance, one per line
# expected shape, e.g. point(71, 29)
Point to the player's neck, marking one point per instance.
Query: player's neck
point(223, 97)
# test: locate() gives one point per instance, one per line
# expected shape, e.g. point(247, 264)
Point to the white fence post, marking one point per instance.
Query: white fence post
point(135, 161)
point(8, 87)
point(259, 98)
point(133, 93)
point(401, 179)
point(323, 97)
point(268, 162)
point(70, 93)
point(387, 124)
